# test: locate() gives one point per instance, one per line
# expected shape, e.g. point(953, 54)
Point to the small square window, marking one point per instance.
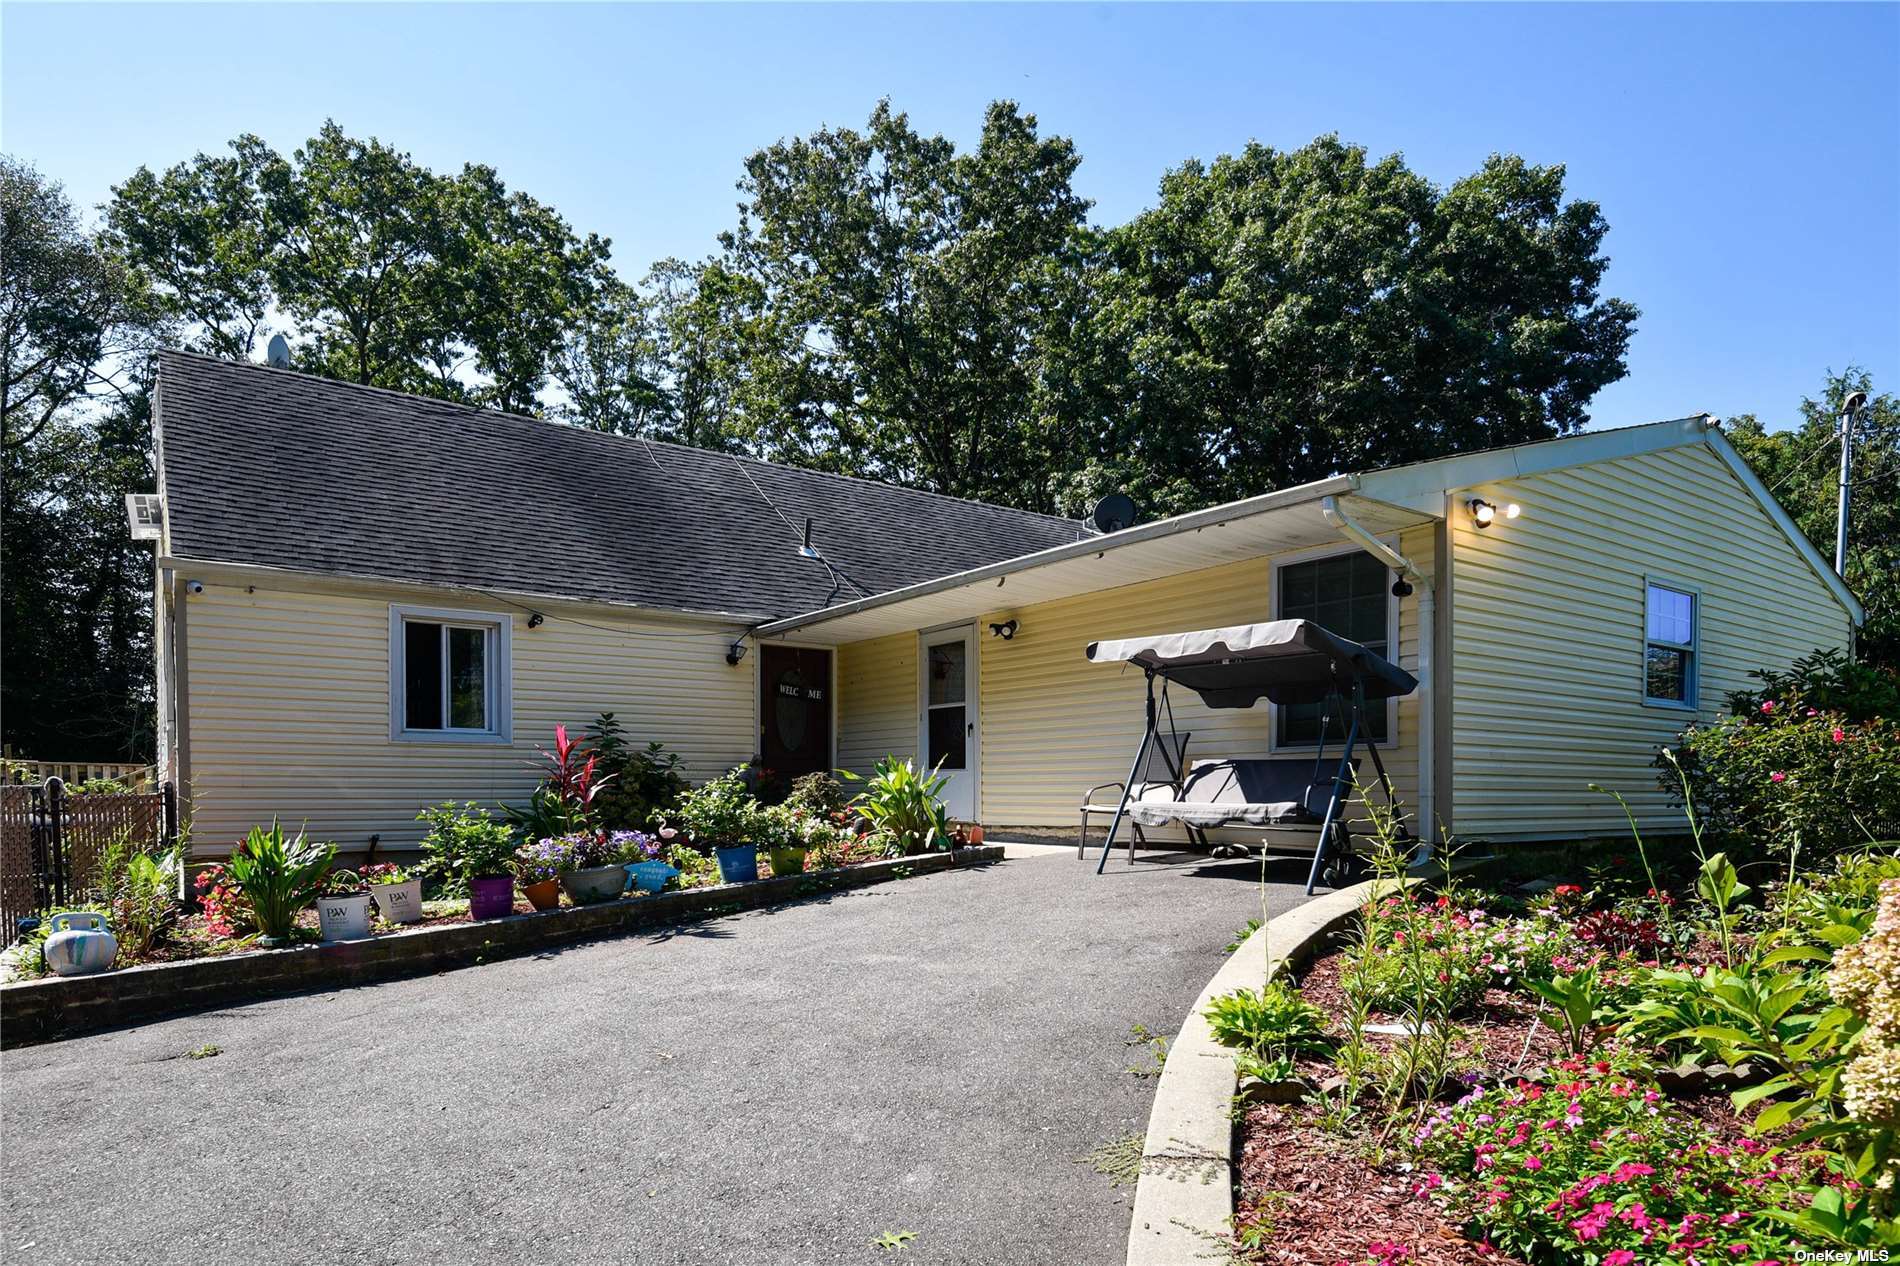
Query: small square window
point(449, 675)
point(1669, 648)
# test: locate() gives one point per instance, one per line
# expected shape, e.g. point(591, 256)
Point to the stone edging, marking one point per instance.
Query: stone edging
point(1184, 1198)
point(56, 1007)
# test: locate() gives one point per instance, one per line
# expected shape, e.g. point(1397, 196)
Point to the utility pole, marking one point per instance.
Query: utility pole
point(1850, 416)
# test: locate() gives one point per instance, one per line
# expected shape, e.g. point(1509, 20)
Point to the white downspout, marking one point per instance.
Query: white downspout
point(1422, 581)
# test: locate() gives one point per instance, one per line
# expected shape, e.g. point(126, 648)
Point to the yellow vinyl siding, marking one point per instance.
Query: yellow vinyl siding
point(288, 709)
point(1051, 723)
point(877, 701)
point(1548, 634)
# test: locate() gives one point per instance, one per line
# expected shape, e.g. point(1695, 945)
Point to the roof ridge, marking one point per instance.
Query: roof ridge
point(479, 411)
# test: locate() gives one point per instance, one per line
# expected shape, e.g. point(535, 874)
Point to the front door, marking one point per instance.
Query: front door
point(794, 710)
point(948, 736)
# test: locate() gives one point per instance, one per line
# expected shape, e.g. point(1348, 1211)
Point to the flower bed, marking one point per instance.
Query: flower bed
point(1491, 1075)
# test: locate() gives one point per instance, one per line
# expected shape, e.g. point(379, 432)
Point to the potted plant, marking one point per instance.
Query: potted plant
point(397, 893)
point(785, 836)
point(723, 818)
point(277, 878)
point(471, 852)
point(589, 869)
point(639, 854)
point(343, 907)
point(538, 871)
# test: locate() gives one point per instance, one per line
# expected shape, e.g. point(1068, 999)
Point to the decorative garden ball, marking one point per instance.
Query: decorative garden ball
point(80, 944)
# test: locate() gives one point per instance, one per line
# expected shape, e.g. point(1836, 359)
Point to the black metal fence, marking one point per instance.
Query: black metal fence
point(51, 842)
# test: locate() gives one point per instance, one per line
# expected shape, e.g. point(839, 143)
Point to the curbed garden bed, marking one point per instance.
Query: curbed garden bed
point(56, 1007)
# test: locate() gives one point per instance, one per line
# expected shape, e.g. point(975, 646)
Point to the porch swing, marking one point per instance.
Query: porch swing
point(1284, 662)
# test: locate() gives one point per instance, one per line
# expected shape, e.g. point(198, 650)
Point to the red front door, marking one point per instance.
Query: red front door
point(794, 710)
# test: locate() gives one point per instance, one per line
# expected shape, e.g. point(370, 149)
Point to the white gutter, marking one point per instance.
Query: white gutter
point(1159, 529)
point(1422, 582)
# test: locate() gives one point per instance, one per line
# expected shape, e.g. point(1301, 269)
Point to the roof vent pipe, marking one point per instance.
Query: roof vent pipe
point(805, 548)
point(1427, 816)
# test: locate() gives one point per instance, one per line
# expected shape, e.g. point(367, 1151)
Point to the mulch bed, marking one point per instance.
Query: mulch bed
point(1320, 1200)
point(1323, 1198)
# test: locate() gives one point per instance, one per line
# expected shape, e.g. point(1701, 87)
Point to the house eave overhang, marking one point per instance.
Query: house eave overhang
point(226, 571)
point(1274, 522)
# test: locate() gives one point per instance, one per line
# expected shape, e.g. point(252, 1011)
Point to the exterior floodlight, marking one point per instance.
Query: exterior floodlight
point(1482, 511)
point(1006, 630)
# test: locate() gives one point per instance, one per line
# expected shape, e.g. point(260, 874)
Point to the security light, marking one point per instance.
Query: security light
point(1482, 511)
point(1006, 630)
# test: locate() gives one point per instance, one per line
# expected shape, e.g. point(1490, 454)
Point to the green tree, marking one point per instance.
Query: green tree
point(899, 289)
point(1801, 466)
point(75, 618)
point(609, 365)
point(1283, 315)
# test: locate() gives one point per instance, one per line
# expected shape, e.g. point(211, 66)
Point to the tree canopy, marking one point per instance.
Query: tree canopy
point(885, 304)
point(1801, 466)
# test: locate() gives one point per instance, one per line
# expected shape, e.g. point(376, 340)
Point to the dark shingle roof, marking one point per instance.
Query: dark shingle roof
point(272, 467)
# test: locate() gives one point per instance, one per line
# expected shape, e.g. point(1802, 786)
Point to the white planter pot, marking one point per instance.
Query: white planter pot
point(399, 903)
point(344, 918)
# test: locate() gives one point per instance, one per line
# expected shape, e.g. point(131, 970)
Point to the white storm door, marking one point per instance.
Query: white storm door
point(948, 722)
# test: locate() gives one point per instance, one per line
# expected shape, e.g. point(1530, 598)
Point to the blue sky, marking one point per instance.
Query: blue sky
point(1747, 158)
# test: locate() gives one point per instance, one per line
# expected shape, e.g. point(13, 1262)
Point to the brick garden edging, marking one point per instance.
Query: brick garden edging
point(56, 1007)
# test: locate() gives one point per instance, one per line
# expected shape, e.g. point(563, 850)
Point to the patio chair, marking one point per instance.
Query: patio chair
point(1163, 774)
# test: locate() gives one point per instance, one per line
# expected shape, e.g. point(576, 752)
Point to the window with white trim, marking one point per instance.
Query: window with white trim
point(1669, 646)
point(1349, 594)
point(449, 675)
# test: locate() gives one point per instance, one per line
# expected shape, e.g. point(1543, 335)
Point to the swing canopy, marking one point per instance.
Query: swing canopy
point(1284, 661)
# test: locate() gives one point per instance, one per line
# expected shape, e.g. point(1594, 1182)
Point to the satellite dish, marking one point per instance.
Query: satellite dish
point(277, 356)
point(1114, 512)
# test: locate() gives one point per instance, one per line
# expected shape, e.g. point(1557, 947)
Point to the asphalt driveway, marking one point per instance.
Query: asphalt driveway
point(933, 1056)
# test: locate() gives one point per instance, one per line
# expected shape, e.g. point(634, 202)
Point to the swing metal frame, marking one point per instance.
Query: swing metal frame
point(1314, 665)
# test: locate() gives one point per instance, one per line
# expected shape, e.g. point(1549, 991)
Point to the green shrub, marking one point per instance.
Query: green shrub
point(463, 843)
point(645, 781)
point(818, 794)
point(720, 813)
point(1790, 777)
point(1826, 681)
point(277, 878)
point(899, 798)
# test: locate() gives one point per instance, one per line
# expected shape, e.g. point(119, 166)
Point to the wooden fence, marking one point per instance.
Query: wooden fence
point(51, 842)
point(74, 772)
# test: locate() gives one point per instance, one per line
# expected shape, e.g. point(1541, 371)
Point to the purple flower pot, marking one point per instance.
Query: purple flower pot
point(491, 896)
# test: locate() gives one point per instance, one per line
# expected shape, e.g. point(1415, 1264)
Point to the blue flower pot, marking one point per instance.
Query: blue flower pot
point(738, 864)
point(650, 876)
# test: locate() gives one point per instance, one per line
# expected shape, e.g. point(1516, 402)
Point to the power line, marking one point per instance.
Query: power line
point(1824, 446)
point(837, 577)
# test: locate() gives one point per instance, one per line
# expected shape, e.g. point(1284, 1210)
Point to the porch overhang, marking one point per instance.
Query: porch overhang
point(1273, 523)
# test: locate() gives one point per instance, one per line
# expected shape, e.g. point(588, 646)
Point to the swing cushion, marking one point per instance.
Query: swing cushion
point(1244, 793)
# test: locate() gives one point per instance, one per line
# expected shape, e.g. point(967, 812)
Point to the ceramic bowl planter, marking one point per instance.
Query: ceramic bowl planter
point(787, 861)
point(545, 895)
point(595, 884)
point(738, 864)
point(399, 903)
point(344, 918)
point(491, 896)
point(80, 944)
point(650, 876)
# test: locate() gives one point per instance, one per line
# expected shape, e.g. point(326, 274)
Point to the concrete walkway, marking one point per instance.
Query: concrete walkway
point(784, 1086)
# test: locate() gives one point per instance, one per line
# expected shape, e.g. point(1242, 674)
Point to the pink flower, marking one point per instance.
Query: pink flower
point(1618, 1257)
point(1531, 1162)
point(1767, 707)
point(1840, 735)
point(1777, 776)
